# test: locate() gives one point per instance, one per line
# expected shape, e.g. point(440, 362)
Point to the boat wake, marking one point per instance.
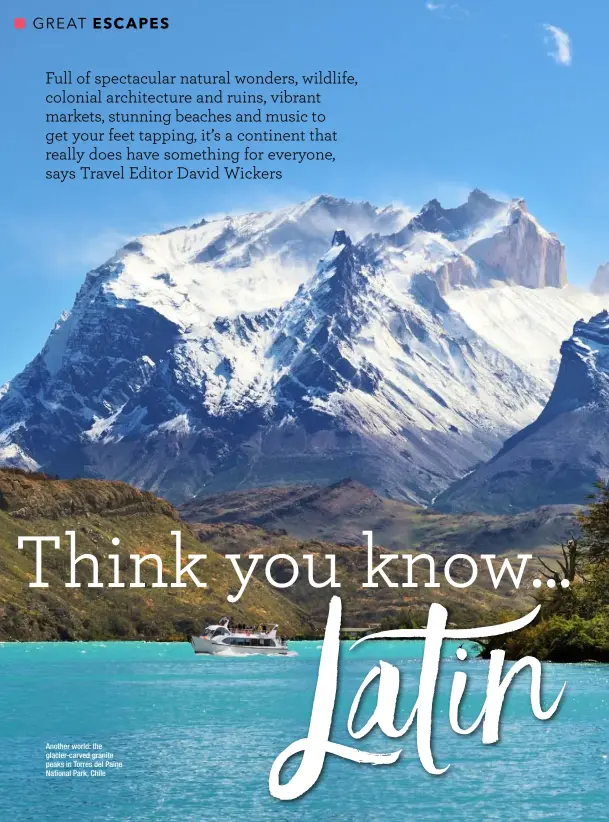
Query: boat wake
point(231, 654)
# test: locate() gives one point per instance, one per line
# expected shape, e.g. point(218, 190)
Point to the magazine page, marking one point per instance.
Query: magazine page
point(304, 368)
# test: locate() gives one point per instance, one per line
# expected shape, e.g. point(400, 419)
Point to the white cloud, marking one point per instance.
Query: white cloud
point(447, 10)
point(560, 45)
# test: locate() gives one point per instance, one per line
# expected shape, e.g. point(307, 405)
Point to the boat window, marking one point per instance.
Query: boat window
point(248, 642)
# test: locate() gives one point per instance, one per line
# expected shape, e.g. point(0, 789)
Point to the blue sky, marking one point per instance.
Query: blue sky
point(450, 97)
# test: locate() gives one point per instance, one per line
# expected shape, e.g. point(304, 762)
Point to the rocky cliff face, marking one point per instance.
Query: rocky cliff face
point(600, 284)
point(522, 252)
point(229, 355)
point(558, 457)
point(485, 240)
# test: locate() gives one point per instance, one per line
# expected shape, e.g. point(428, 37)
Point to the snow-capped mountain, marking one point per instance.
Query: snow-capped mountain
point(558, 457)
point(325, 340)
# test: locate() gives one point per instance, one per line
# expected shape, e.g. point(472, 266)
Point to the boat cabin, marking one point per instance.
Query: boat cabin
point(249, 641)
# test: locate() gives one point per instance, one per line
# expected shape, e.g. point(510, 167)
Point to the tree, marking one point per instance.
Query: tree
point(573, 624)
point(574, 558)
point(594, 523)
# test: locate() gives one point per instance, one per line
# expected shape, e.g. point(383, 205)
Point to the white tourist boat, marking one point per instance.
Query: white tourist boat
point(222, 639)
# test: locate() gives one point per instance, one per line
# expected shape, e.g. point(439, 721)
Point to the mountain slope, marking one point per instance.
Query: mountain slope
point(558, 457)
point(228, 355)
point(97, 512)
point(527, 325)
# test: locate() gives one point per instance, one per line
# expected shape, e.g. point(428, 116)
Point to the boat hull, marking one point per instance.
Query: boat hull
point(204, 646)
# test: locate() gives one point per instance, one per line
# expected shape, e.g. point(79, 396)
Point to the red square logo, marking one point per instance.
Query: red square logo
point(19, 22)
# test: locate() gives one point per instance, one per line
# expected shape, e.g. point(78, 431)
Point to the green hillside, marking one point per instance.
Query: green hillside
point(98, 511)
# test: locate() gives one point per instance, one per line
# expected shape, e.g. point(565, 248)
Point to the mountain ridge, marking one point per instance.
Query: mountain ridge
point(343, 510)
point(561, 455)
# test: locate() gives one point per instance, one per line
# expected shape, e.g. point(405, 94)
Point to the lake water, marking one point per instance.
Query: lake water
point(197, 737)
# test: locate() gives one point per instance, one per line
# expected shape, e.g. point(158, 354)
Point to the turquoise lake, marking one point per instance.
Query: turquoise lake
point(197, 737)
